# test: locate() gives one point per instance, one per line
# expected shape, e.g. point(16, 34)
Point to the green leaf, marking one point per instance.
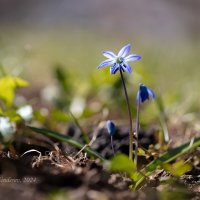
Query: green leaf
point(122, 163)
point(178, 168)
point(66, 139)
point(59, 116)
point(12, 115)
point(62, 77)
point(141, 152)
point(8, 85)
point(166, 158)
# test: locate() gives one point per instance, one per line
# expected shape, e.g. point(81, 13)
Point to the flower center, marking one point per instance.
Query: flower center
point(119, 60)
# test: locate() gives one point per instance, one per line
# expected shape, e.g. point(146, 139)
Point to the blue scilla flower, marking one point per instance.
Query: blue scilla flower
point(143, 94)
point(110, 127)
point(119, 61)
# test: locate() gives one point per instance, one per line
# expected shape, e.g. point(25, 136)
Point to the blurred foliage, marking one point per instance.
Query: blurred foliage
point(10, 114)
point(174, 190)
point(57, 194)
point(167, 157)
point(178, 168)
point(65, 86)
point(122, 163)
point(8, 85)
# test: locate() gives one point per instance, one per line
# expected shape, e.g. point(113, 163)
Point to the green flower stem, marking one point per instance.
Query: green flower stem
point(130, 118)
point(111, 140)
point(137, 132)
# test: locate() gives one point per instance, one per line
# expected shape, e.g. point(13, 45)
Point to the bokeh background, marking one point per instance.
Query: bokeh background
point(39, 38)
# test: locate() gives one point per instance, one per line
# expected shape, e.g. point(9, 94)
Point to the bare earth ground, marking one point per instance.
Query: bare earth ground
point(57, 174)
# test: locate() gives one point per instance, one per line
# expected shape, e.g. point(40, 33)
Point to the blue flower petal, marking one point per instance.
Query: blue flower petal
point(106, 63)
point(119, 61)
point(144, 93)
point(124, 51)
point(132, 57)
point(151, 93)
point(109, 54)
point(110, 127)
point(127, 67)
point(114, 68)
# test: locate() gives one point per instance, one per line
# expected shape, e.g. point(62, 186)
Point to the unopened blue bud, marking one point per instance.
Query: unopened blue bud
point(110, 127)
point(144, 93)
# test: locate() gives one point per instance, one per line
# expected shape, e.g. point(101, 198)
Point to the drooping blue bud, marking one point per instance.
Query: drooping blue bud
point(143, 94)
point(110, 127)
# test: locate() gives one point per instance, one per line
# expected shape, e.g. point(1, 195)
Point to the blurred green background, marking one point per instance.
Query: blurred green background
point(39, 38)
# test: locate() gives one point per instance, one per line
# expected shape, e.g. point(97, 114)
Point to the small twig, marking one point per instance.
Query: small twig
point(32, 150)
point(191, 142)
point(39, 157)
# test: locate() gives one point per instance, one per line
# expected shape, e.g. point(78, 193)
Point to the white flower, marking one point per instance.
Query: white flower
point(26, 112)
point(7, 128)
point(50, 93)
point(77, 106)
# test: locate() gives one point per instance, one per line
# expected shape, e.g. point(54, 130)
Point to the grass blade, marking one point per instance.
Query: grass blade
point(85, 135)
point(163, 120)
point(66, 139)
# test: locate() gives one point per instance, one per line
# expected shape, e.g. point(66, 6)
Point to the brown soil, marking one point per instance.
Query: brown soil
point(52, 172)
